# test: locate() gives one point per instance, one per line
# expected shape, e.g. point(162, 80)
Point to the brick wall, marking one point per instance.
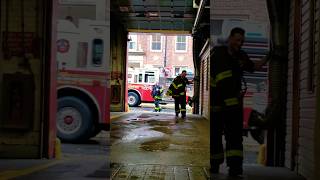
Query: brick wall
point(307, 98)
point(205, 85)
point(157, 58)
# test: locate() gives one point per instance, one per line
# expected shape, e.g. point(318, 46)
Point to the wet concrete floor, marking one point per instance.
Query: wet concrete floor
point(160, 146)
point(157, 146)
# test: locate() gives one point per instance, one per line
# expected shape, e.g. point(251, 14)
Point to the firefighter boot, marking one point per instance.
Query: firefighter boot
point(235, 171)
point(183, 115)
point(215, 169)
point(177, 113)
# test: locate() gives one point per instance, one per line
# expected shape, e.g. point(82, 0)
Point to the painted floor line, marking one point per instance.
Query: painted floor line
point(9, 174)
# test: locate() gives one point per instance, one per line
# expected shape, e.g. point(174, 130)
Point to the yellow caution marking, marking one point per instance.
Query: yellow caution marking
point(57, 149)
point(9, 174)
point(262, 155)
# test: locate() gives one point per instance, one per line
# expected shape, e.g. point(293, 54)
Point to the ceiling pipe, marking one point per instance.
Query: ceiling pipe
point(198, 16)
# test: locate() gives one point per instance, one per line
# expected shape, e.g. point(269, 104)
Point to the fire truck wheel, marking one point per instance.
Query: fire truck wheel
point(133, 99)
point(74, 120)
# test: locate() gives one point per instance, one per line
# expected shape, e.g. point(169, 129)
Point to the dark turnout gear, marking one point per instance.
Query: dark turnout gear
point(157, 96)
point(227, 110)
point(178, 91)
point(180, 100)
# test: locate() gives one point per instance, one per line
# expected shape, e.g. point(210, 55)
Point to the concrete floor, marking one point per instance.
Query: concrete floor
point(256, 172)
point(87, 161)
point(144, 145)
point(159, 146)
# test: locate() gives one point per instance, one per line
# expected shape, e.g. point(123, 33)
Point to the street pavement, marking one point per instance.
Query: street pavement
point(149, 107)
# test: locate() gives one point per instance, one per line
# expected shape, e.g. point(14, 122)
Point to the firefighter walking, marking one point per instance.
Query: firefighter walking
point(229, 62)
point(157, 96)
point(177, 90)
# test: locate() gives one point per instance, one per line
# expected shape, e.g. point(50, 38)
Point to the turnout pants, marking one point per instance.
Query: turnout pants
point(157, 105)
point(180, 101)
point(228, 123)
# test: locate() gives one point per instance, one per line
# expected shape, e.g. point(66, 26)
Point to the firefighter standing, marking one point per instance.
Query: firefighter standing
point(157, 96)
point(178, 91)
point(229, 62)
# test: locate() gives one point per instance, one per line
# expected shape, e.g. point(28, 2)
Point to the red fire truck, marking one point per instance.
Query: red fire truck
point(140, 81)
point(82, 60)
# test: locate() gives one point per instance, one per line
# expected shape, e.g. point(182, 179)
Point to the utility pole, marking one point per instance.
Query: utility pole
point(165, 53)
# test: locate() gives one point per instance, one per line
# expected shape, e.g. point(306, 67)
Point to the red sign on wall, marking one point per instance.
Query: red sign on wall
point(15, 44)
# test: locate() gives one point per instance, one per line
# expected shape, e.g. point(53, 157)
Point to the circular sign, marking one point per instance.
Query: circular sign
point(63, 45)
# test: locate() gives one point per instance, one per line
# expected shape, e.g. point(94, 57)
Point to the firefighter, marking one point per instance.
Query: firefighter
point(157, 96)
point(229, 62)
point(177, 90)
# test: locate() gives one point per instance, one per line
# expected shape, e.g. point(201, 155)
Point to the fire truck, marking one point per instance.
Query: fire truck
point(140, 82)
point(82, 60)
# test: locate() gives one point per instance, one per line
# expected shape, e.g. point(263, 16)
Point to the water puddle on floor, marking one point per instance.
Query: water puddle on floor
point(117, 134)
point(186, 142)
point(187, 131)
point(160, 123)
point(140, 134)
point(156, 145)
point(162, 129)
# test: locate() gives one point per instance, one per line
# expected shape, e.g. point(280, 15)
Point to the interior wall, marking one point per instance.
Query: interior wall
point(317, 91)
point(118, 65)
point(20, 96)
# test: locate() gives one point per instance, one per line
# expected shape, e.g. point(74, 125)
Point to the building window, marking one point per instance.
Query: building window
point(181, 43)
point(97, 52)
point(132, 43)
point(178, 70)
point(156, 42)
point(149, 77)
